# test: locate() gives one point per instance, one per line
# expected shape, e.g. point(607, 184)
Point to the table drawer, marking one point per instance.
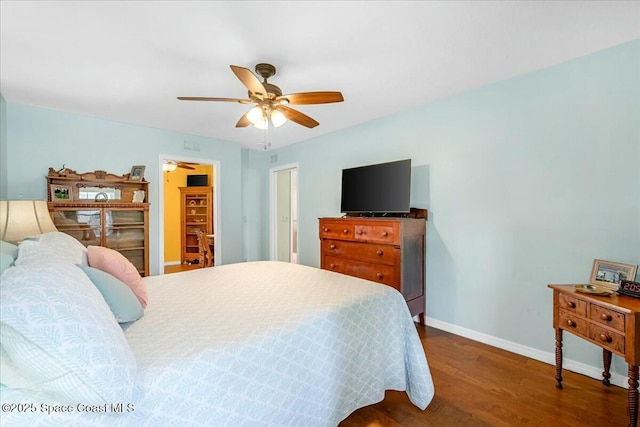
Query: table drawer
point(379, 233)
point(368, 252)
point(607, 317)
point(573, 304)
point(385, 274)
point(336, 230)
point(607, 338)
point(570, 322)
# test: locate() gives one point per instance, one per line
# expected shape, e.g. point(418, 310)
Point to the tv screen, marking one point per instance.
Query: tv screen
point(197, 180)
point(380, 188)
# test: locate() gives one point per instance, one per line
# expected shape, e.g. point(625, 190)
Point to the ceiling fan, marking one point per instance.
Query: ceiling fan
point(271, 104)
point(171, 165)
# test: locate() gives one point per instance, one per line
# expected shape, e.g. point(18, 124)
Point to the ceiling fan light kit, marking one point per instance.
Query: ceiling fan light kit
point(270, 103)
point(171, 165)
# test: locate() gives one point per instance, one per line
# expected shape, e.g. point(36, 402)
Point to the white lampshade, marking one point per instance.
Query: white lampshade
point(24, 218)
point(277, 118)
point(169, 165)
point(256, 115)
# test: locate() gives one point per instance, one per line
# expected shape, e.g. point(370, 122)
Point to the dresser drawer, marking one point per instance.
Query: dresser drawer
point(570, 322)
point(607, 338)
point(379, 233)
point(570, 303)
point(336, 230)
point(385, 274)
point(368, 252)
point(607, 317)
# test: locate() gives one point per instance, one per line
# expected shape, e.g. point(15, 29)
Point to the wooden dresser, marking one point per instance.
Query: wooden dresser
point(384, 250)
point(611, 322)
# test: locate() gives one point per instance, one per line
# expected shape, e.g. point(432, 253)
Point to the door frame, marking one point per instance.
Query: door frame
point(217, 243)
point(273, 214)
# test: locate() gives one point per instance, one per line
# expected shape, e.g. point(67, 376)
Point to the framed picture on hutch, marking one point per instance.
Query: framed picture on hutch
point(61, 193)
point(137, 173)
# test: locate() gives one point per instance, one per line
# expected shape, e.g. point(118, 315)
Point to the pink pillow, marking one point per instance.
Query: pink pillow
point(114, 263)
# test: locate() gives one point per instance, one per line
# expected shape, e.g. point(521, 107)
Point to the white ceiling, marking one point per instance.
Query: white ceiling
point(128, 61)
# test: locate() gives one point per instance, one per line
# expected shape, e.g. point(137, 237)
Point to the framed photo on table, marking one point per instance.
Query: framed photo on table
point(137, 173)
point(609, 274)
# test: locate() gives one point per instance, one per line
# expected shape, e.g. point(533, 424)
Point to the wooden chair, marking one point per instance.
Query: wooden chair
point(206, 255)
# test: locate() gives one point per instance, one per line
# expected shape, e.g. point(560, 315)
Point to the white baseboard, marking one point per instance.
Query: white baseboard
point(532, 353)
point(166, 263)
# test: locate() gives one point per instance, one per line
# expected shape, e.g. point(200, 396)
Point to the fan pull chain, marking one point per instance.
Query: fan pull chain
point(267, 139)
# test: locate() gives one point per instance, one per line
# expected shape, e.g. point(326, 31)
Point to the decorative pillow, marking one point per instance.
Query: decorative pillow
point(9, 249)
point(8, 255)
point(121, 300)
point(53, 247)
point(114, 263)
point(61, 337)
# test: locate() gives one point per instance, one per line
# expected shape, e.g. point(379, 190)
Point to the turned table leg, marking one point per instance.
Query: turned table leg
point(558, 358)
point(633, 395)
point(606, 358)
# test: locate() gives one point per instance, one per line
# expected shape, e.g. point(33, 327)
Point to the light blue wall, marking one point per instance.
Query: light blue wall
point(40, 138)
point(3, 149)
point(527, 181)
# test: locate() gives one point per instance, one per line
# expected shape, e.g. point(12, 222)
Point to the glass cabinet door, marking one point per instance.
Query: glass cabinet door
point(124, 232)
point(83, 225)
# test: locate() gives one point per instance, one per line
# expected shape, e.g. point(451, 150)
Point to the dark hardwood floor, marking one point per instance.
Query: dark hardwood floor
point(480, 385)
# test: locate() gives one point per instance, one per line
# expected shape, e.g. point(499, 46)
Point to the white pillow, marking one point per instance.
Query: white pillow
point(53, 247)
point(61, 336)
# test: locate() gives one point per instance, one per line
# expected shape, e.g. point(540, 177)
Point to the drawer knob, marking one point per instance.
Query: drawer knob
point(571, 304)
point(326, 230)
point(359, 232)
point(606, 317)
point(332, 246)
point(379, 275)
point(385, 234)
point(571, 323)
point(379, 252)
point(345, 231)
point(333, 265)
point(605, 338)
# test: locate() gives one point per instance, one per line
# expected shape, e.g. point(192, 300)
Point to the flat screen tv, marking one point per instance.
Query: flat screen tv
point(197, 180)
point(377, 189)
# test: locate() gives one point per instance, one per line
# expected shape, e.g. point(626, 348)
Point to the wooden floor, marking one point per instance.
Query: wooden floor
point(480, 385)
point(180, 267)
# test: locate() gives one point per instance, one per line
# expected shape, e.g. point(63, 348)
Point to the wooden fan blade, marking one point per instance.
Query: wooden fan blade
point(188, 163)
point(243, 122)
point(312, 98)
point(249, 80)
point(183, 166)
point(201, 98)
point(297, 117)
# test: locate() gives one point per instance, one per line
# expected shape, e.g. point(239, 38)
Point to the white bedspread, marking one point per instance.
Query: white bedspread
point(261, 344)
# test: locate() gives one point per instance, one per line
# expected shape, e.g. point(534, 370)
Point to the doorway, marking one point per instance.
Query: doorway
point(166, 204)
point(284, 213)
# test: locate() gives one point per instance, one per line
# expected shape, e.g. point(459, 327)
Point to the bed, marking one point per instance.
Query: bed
point(249, 344)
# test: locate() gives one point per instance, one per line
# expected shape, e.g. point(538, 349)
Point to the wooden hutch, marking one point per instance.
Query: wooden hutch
point(196, 214)
point(98, 208)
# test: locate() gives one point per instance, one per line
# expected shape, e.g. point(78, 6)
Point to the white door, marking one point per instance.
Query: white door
point(284, 216)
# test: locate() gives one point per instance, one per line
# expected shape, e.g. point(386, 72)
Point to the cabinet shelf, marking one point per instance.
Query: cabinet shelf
point(196, 213)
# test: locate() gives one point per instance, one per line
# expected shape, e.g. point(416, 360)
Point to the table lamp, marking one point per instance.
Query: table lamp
point(24, 218)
